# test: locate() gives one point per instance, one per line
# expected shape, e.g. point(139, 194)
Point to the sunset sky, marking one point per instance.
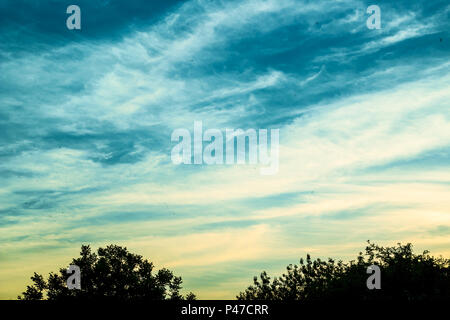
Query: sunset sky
point(86, 118)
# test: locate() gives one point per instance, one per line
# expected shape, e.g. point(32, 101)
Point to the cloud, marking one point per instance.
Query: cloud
point(86, 123)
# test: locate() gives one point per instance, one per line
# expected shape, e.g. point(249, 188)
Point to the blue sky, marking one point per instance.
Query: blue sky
point(86, 118)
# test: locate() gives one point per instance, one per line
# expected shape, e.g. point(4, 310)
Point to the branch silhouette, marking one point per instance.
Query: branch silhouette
point(405, 276)
point(112, 273)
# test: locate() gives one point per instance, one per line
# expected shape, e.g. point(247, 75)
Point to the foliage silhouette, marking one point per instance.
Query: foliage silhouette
point(405, 276)
point(113, 274)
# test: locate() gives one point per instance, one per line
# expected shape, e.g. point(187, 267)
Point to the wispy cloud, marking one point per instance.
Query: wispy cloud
point(364, 133)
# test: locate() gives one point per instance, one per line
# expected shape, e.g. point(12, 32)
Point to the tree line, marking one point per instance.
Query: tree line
point(115, 273)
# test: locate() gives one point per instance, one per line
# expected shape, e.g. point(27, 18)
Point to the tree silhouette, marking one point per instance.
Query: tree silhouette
point(405, 276)
point(112, 273)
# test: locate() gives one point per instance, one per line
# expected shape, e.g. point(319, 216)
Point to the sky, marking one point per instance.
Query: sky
point(86, 118)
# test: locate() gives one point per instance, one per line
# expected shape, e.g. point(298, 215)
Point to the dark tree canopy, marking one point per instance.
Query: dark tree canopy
point(405, 276)
point(111, 273)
